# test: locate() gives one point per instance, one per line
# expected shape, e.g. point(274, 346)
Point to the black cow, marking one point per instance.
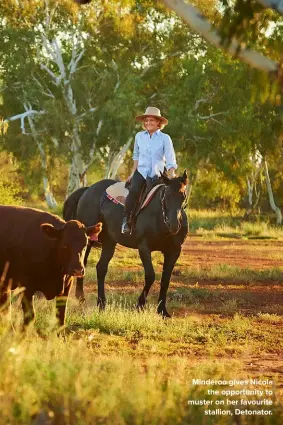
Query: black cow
point(41, 252)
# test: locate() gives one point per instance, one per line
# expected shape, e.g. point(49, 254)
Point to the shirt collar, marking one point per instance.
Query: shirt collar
point(157, 132)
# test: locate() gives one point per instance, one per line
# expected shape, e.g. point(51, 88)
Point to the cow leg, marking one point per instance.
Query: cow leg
point(27, 305)
point(108, 249)
point(149, 274)
point(170, 258)
point(80, 280)
point(61, 301)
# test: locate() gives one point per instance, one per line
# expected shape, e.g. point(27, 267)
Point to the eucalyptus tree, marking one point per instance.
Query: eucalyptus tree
point(63, 74)
point(75, 79)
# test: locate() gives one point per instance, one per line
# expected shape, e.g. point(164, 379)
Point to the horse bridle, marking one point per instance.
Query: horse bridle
point(163, 207)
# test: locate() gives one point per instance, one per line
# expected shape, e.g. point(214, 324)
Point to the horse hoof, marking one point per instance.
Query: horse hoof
point(101, 305)
point(164, 313)
point(140, 307)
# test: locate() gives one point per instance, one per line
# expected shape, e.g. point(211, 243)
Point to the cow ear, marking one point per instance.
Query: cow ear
point(50, 231)
point(93, 231)
point(185, 179)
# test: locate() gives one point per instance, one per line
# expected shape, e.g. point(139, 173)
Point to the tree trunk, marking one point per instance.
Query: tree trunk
point(49, 197)
point(118, 160)
point(77, 174)
point(270, 194)
point(252, 190)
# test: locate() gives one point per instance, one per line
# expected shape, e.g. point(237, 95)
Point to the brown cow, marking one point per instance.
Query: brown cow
point(41, 252)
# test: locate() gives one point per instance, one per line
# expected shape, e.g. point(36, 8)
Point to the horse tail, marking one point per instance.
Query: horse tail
point(71, 204)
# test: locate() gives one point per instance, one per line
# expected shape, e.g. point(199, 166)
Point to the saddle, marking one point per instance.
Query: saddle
point(118, 192)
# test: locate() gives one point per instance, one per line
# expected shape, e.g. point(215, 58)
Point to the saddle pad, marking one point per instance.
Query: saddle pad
point(118, 193)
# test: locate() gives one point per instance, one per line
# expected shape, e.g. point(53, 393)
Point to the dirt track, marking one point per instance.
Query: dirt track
point(251, 295)
point(219, 297)
point(252, 254)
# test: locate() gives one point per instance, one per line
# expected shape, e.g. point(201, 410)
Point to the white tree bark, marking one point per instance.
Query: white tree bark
point(29, 113)
point(118, 160)
point(62, 78)
point(49, 197)
point(252, 180)
point(270, 195)
point(198, 23)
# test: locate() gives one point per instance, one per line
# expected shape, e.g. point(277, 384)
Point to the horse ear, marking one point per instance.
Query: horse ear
point(185, 179)
point(164, 177)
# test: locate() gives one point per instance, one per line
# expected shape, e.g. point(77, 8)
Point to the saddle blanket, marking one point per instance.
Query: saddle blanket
point(117, 193)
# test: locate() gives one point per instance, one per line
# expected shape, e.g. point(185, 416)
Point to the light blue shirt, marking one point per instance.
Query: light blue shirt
point(154, 153)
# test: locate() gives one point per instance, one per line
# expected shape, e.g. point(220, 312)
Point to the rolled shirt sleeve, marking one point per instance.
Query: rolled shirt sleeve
point(169, 153)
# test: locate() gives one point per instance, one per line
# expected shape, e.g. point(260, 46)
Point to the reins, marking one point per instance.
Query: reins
point(163, 207)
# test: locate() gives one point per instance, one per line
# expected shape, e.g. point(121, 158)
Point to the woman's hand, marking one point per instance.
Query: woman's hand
point(171, 173)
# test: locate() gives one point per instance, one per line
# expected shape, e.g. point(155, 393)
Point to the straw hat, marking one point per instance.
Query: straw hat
point(151, 111)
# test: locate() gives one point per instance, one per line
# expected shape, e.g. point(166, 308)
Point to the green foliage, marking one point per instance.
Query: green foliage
point(213, 190)
point(9, 193)
point(131, 60)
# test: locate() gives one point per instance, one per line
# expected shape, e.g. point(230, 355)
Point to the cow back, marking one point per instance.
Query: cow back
point(22, 241)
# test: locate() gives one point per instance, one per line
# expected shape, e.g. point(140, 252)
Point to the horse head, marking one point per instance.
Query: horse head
point(172, 200)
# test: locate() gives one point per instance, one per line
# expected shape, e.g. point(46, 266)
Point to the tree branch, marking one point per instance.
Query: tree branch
point(80, 117)
point(198, 23)
point(48, 93)
point(23, 115)
point(207, 117)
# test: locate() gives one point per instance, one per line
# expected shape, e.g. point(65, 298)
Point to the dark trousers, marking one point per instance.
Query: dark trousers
point(137, 184)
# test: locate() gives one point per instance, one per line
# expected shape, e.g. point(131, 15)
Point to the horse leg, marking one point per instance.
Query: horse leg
point(170, 258)
point(145, 256)
point(107, 253)
point(80, 280)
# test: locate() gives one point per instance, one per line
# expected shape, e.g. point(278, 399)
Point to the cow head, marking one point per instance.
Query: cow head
point(72, 239)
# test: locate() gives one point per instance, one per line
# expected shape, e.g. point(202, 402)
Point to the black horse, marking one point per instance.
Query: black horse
point(161, 226)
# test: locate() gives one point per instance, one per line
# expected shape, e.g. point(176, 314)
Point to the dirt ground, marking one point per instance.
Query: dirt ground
point(218, 296)
point(252, 296)
point(252, 254)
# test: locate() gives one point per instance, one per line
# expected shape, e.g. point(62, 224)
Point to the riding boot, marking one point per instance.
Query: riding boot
point(128, 214)
point(137, 183)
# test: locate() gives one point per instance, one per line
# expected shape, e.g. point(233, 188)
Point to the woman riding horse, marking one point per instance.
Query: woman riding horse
point(152, 150)
point(160, 226)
